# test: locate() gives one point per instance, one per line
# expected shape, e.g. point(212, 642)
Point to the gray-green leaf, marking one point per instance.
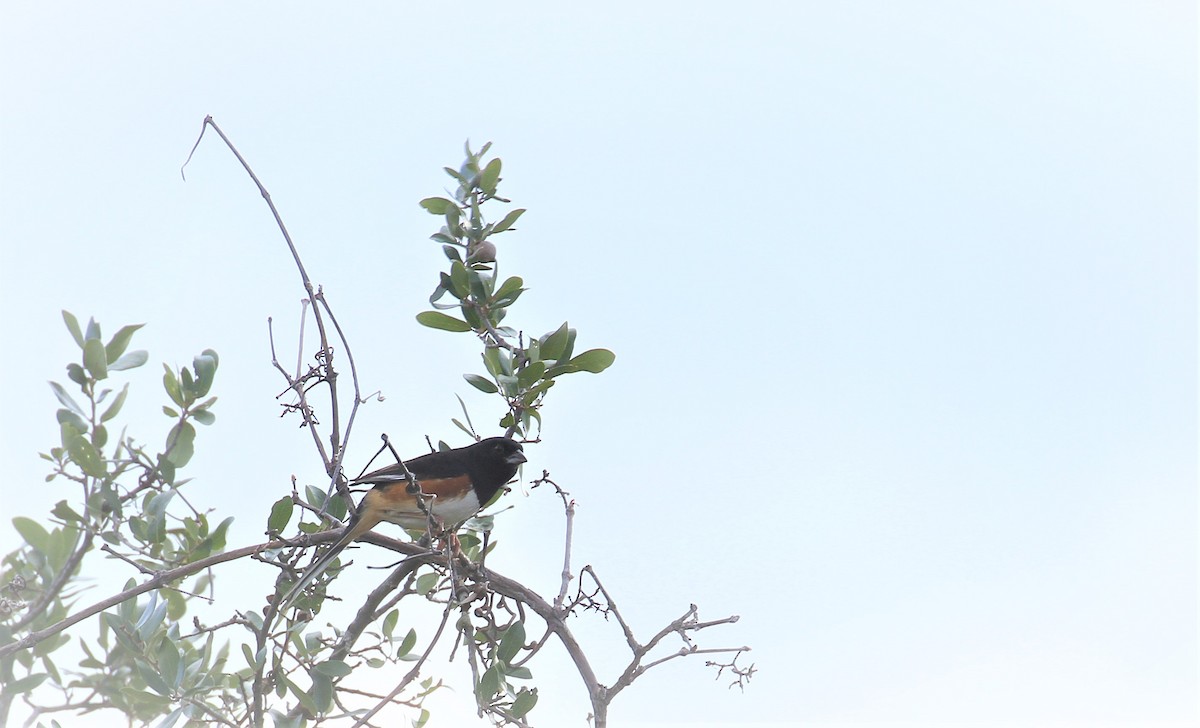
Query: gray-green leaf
point(439, 320)
point(73, 326)
point(116, 347)
point(281, 513)
point(509, 220)
point(437, 205)
point(94, 359)
point(483, 384)
point(129, 360)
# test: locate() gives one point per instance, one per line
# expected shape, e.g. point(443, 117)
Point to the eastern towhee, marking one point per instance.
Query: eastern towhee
point(455, 483)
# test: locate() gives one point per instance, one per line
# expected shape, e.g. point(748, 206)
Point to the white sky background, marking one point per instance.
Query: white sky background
point(903, 297)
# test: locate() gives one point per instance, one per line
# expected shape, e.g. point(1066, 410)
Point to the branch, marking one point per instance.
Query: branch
point(569, 510)
point(311, 293)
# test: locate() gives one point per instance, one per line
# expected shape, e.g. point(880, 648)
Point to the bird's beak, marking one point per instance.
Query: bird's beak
point(516, 458)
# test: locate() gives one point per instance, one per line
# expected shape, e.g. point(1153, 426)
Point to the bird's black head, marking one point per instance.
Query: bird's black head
point(493, 462)
point(496, 450)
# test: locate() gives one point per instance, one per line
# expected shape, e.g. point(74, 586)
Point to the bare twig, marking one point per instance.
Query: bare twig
point(331, 377)
point(110, 550)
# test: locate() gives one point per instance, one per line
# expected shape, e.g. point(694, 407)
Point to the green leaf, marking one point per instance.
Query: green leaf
point(253, 662)
point(471, 425)
point(452, 252)
point(203, 416)
point(472, 317)
point(480, 524)
point(171, 384)
point(333, 668)
point(314, 495)
point(508, 292)
point(389, 622)
point(453, 215)
point(93, 331)
point(67, 416)
point(205, 365)
point(570, 347)
point(437, 205)
point(410, 641)
point(153, 680)
point(73, 326)
point(554, 343)
point(65, 512)
point(461, 426)
point(94, 360)
point(176, 603)
point(301, 695)
point(155, 524)
point(321, 690)
point(490, 176)
point(66, 400)
point(530, 374)
point(181, 441)
point(533, 392)
point(592, 360)
point(497, 361)
point(479, 284)
point(76, 374)
point(460, 284)
point(170, 662)
point(281, 513)
point(24, 685)
point(115, 408)
point(83, 452)
point(33, 533)
point(509, 220)
point(152, 617)
point(512, 642)
point(166, 468)
point(426, 582)
point(439, 320)
point(120, 342)
point(490, 682)
point(508, 384)
point(524, 702)
point(130, 360)
point(483, 384)
point(171, 719)
point(219, 534)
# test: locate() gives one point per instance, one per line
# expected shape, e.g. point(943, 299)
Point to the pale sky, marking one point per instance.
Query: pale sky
point(903, 297)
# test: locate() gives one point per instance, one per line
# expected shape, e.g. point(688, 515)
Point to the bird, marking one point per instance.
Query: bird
point(456, 484)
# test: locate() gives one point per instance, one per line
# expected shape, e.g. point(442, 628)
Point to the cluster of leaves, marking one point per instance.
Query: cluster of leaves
point(494, 690)
point(124, 502)
point(522, 371)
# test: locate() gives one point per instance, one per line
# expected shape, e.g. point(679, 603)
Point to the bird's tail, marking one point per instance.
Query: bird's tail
point(353, 531)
